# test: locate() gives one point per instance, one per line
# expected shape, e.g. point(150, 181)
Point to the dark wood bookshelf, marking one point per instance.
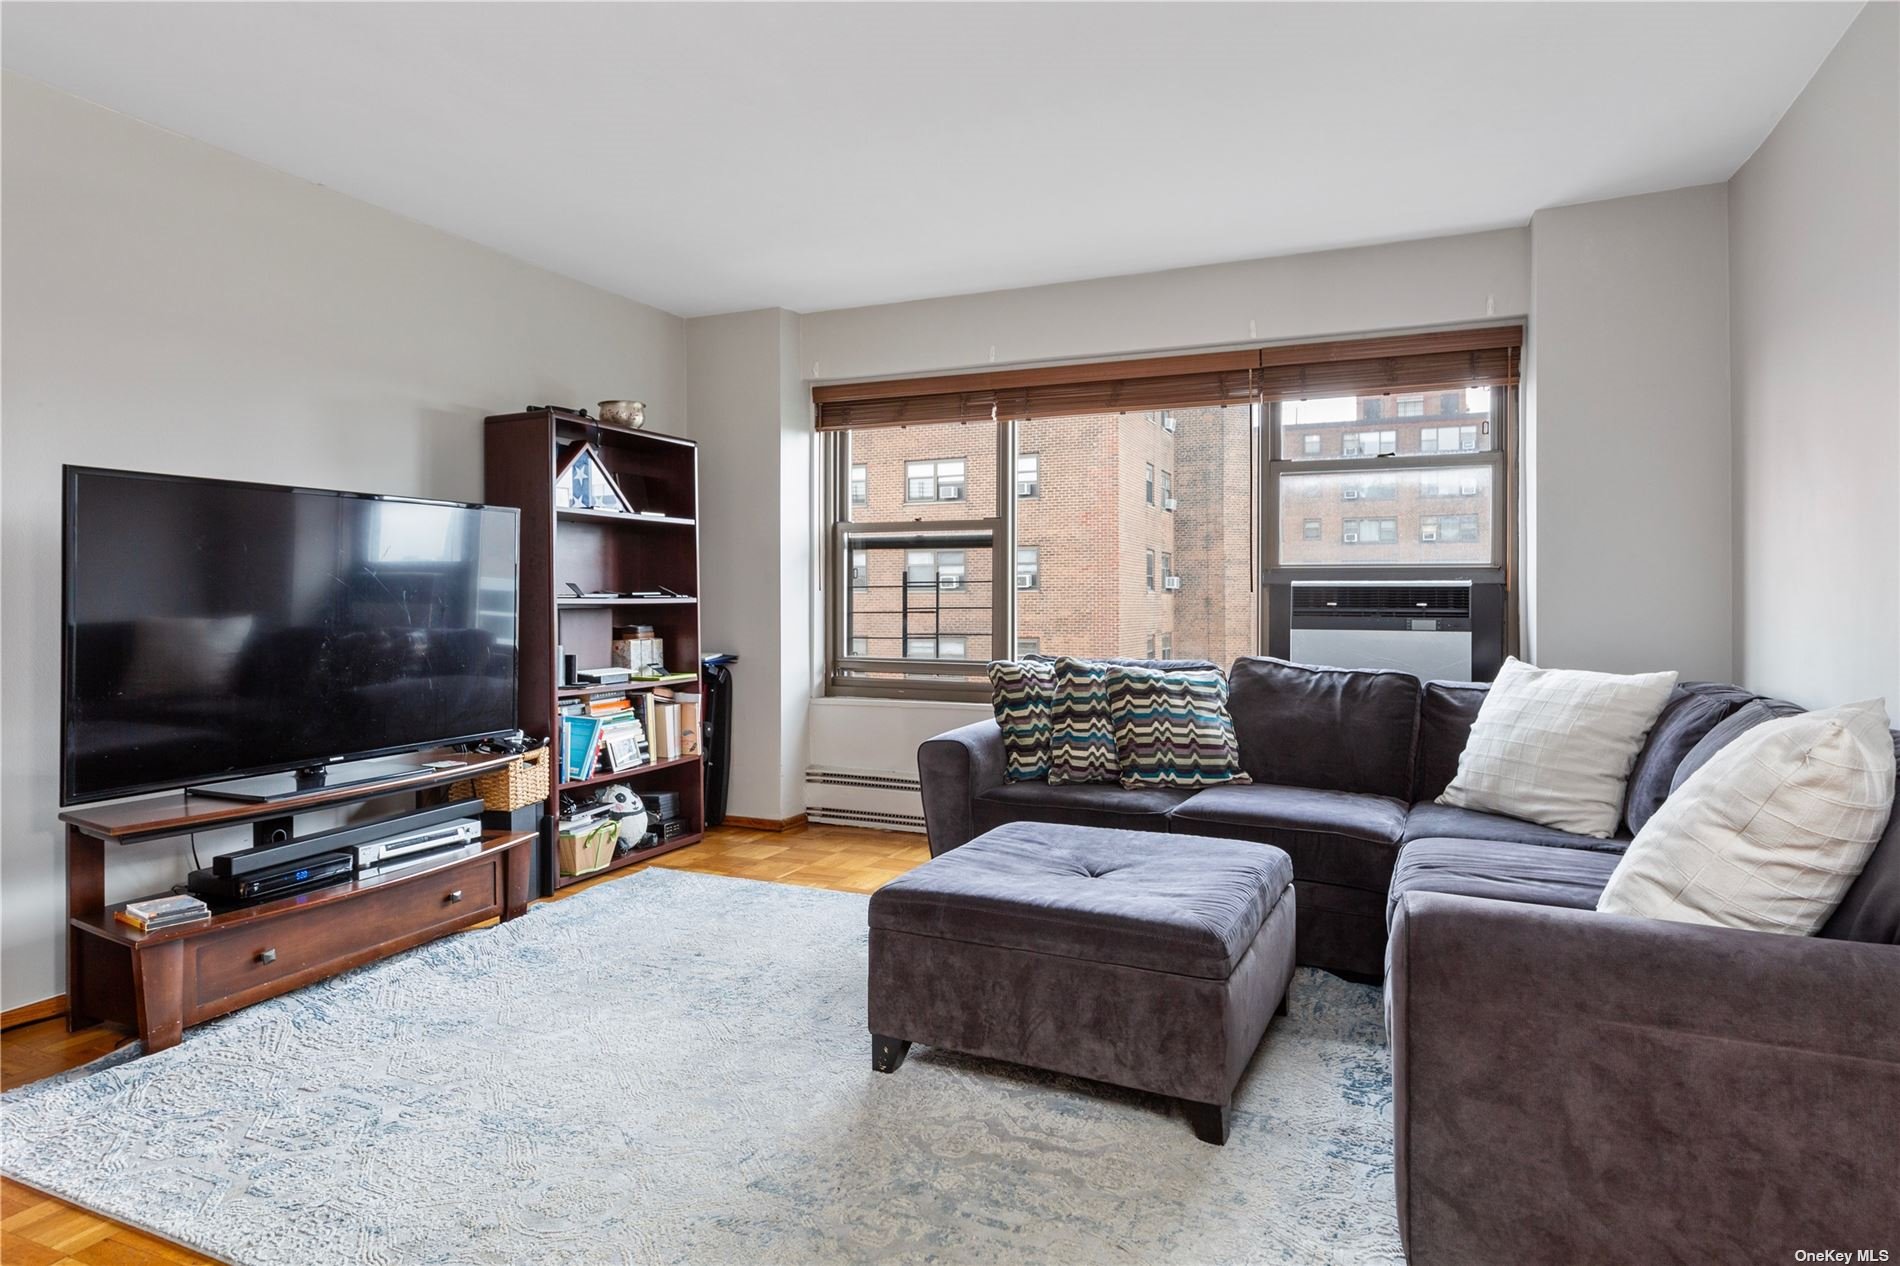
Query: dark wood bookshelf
point(602, 550)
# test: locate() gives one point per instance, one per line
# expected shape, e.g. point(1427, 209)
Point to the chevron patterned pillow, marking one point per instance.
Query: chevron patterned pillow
point(1020, 694)
point(1172, 729)
point(1081, 734)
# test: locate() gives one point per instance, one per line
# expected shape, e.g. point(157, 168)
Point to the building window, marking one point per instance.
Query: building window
point(1369, 531)
point(1448, 439)
point(1309, 444)
point(1448, 527)
point(1374, 408)
point(1148, 484)
point(1448, 483)
point(1167, 490)
point(1150, 652)
point(860, 646)
point(860, 485)
point(860, 569)
point(1028, 476)
point(1028, 646)
point(1449, 403)
point(1370, 443)
point(1029, 568)
point(941, 647)
point(1309, 530)
point(1167, 569)
point(1375, 489)
point(943, 568)
point(1149, 563)
point(1167, 646)
point(933, 480)
point(1411, 406)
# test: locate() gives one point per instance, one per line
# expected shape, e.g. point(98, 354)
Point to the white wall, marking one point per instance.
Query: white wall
point(1628, 417)
point(171, 307)
point(752, 416)
point(1439, 281)
point(1814, 222)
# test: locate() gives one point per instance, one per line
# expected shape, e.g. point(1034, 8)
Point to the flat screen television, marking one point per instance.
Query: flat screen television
point(215, 630)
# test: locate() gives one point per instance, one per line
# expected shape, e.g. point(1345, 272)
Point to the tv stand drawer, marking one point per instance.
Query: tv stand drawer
point(237, 966)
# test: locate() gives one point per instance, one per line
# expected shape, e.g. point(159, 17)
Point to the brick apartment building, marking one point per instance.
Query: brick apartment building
point(1134, 529)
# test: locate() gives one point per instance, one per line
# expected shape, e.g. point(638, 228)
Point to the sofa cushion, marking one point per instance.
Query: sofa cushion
point(1337, 837)
point(1020, 694)
point(1726, 731)
point(1556, 745)
point(1081, 804)
point(1526, 873)
point(1172, 728)
point(1694, 708)
point(1428, 819)
point(1772, 832)
point(1191, 907)
point(1446, 710)
point(1871, 909)
point(1081, 732)
point(1334, 729)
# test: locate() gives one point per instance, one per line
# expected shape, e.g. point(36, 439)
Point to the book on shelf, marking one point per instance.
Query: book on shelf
point(580, 747)
point(162, 912)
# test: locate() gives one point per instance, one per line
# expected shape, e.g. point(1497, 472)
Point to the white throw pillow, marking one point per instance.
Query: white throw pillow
point(1771, 833)
point(1555, 745)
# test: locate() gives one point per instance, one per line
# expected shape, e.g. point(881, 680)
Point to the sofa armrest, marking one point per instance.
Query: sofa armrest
point(1575, 1086)
point(954, 768)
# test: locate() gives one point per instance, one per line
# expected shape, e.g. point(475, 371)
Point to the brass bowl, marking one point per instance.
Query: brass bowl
point(631, 413)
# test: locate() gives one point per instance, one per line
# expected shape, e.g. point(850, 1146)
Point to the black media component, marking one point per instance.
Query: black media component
point(276, 881)
point(271, 856)
point(716, 741)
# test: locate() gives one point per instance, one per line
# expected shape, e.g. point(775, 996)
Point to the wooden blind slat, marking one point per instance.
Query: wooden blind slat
point(1419, 362)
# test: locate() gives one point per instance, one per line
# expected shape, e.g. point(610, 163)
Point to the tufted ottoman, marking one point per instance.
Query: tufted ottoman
point(1143, 960)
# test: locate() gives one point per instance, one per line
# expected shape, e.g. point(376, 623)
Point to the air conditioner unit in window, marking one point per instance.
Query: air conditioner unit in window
point(1352, 538)
point(1468, 489)
point(1167, 423)
point(1350, 494)
point(1428, 533)
point(1167, 503)
point(1170, 582)
point(1025, 489)
point(1025, 581)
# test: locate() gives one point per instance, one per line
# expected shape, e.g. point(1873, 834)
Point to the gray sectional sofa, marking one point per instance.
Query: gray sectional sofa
point(1569, 1086)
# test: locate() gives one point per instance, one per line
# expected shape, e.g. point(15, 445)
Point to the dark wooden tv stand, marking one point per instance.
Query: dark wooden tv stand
point(162, 982)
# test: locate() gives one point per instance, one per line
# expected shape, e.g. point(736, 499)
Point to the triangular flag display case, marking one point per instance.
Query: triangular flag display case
point(611, 513)
point(583, 482)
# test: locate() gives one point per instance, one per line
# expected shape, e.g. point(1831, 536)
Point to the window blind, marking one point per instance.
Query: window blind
point(1415, 362)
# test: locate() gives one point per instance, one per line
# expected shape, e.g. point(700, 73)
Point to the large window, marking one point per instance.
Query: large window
point(1390, 499)
point(946, 550)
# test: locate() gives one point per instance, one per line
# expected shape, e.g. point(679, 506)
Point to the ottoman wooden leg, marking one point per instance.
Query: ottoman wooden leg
point(1209, 1120)
point(887, 1052)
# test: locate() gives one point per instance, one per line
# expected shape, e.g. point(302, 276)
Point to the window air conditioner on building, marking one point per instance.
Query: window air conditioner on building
point(1171, 582)
point(1167, 503)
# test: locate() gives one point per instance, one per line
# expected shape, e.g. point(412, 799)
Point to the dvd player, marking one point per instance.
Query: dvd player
point(396, 847)
point(276, 881)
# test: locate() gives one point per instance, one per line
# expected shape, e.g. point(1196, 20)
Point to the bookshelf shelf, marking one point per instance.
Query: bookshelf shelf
point(631, 859)
point(651, 767)
point(602, 551)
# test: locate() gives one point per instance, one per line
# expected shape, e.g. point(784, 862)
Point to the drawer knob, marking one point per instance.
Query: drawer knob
point(455, 896)
point(268, 956)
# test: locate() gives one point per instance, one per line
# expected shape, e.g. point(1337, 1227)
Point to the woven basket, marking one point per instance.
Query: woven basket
point(523, 781)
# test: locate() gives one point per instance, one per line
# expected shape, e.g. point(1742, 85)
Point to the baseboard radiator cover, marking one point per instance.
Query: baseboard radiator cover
point(881, 798)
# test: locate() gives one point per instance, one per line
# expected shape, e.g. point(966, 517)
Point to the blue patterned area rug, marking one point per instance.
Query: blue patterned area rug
point(674, 1068)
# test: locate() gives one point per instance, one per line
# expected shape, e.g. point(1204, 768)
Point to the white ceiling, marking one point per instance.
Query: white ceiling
point(712, 157)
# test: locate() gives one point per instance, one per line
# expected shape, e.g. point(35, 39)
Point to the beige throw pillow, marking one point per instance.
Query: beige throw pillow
point(1769, 834)
point(1555, 745)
